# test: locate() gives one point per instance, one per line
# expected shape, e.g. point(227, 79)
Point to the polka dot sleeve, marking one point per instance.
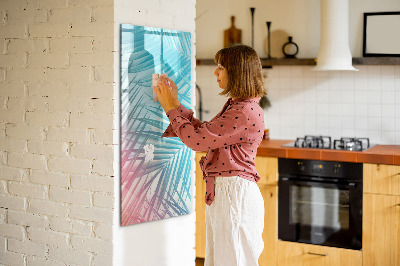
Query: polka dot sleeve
point(188, 114)
point(223, 131)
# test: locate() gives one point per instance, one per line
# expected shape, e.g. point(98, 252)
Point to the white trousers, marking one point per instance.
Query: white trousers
point(234, 223)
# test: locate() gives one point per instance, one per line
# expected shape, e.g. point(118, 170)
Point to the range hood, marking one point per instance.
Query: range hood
point(334, 51)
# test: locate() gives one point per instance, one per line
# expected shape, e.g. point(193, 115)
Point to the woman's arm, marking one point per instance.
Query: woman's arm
point(228, 129)
point(187, 113)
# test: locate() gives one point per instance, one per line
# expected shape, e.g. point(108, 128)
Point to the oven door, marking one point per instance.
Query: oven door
point(321, 212)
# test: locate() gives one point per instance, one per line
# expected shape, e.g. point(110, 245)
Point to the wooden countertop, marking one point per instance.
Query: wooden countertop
point(379, 154)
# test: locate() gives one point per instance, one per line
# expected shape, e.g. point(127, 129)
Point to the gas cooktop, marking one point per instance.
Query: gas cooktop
point(325, 142)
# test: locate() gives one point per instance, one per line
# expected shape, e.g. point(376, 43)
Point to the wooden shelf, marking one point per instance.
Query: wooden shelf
point(288, 62)
point(312, 61)
point(376, 61)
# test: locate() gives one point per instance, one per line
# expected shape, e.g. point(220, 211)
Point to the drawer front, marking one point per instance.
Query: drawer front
point(381, 179)
point(294, 254)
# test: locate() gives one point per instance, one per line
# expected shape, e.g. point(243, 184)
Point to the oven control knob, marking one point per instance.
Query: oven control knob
point(336, 169)
point(302, 167)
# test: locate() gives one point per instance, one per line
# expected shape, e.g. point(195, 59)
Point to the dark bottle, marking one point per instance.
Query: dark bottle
point(290, 49)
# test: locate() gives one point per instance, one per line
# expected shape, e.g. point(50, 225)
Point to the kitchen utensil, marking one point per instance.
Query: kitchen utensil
point(252, 9)
point(269, 38)
point(232, 35)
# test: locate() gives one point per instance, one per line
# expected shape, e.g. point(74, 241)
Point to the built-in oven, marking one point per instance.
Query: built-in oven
point(320, 202)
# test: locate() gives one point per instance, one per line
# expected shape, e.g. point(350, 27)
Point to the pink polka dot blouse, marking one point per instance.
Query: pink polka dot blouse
point(231, 139)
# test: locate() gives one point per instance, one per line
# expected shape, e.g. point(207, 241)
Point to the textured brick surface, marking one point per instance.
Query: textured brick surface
point(67, 134)
point(103, 200)
point(71, 226)
point(12, 89)
point(103, 231)
point(20, 46)
point(92, 182)
point(28, 219)
point(52, 104)
point(71, 165)
point(91, 214)
point(12, 202)
point(57, 73)
point(27, 190)
point(70, 196)
point(46, 207)
point(10, 173)
point(48, 237)
point(27, 247)
point(69, 256)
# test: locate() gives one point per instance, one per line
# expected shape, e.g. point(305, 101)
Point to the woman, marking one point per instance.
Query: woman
point(235, 207)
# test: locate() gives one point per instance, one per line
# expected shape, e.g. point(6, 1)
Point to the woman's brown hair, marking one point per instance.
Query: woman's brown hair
point(245, 78)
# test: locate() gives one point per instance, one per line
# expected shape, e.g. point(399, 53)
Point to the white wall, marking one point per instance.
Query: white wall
point(170, 241)
point(337, 104)
point(299, 18)
point(56, 119)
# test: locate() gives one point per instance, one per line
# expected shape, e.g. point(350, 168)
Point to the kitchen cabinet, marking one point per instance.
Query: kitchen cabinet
point(381, 221)
point(381, 179)
point(298, 254)
point(267, 168)
point(381, 215)
point(381, 230)
point(270, 233)
point(200, 209)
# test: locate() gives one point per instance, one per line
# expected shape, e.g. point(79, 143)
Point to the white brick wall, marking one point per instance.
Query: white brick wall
point(56, 124)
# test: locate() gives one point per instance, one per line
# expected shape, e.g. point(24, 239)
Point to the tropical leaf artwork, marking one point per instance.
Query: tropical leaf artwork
point(155, 171)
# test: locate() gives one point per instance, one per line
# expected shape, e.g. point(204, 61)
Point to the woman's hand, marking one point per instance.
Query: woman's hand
point(174, 92)
point(164, 94)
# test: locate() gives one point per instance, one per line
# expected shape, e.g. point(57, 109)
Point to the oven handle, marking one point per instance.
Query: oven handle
point(298, 181)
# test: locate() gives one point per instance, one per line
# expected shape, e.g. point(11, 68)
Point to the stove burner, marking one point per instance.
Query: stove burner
point(351, 144)
point(324, 142)
point(308, 141)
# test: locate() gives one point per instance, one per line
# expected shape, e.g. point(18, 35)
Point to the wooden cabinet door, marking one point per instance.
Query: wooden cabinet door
point(200, 209)
point(298, 254)
point(381, 230)
point(267, 168)
point(270, 233)
point(381, 179)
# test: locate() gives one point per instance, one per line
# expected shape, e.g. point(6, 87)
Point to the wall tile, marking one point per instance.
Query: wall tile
point(388, 124)
point(375, 136)
point(361, 124)
point(330, 103)
point(374, 97)
point(388, 110)
point(388, 97)
point(374, 110)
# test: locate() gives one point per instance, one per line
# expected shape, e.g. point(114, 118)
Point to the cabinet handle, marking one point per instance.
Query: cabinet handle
point(318, 254)
point(398, 204)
